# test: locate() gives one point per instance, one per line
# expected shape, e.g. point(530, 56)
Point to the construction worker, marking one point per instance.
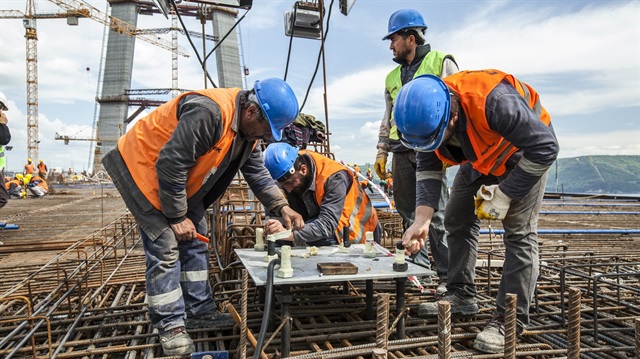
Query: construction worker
point(406, 33)
point(37, 186)
point(497, 127)
point(42, 169)
point(369, 180)
point(320, 188)
point(5, 137)
point(14, 187)
point(171, 166)
point(29, 168)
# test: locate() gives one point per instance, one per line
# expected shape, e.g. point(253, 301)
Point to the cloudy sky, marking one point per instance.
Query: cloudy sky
point(583, 57)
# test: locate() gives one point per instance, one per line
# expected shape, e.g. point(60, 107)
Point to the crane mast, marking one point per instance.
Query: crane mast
point(32, 79)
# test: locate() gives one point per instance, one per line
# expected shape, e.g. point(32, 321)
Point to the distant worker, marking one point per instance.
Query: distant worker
point(14, 187)
point(38, 186)
point(406, 33)
point(30, 167)
point(497, 127)
point(369, 174)
point(320, 188)
point(5, 137)
point(42, 169)
point(369, 181)
point(356, 170)
point(170, 167)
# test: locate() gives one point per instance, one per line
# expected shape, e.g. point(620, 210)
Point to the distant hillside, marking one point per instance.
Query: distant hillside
point(596, 174)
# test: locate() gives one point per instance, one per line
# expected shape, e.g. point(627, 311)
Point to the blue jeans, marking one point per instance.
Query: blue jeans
point(403, 168)
point(177, 279)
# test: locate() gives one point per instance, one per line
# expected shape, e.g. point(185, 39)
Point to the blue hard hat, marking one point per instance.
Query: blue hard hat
point(421, 112)
point(403, 19)
point(279, 158)
point(278, 103)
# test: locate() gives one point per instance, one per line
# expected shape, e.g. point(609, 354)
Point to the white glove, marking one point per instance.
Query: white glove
point(491, 203)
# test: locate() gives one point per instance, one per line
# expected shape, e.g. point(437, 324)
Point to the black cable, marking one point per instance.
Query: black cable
point(293, 22)
point(267, 307)
point(175, 7)
point(225, 36)
point(319, 57)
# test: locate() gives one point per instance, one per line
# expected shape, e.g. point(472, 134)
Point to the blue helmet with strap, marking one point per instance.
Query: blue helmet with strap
point(279, 158)
point(404, 19)
point(278, 103)
point(422, 112)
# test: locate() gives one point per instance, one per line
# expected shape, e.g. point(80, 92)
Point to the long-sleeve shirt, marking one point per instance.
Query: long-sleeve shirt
point(320, 222)
point(509, 115)
point(198, 130)
point(385, 144)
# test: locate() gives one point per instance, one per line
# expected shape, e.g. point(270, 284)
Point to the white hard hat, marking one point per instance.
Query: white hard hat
point(3, 102)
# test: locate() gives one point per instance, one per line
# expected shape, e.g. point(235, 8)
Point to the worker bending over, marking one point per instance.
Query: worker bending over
point(170, 167)
point(325, 193)
point(496, 127)
point(37, 186)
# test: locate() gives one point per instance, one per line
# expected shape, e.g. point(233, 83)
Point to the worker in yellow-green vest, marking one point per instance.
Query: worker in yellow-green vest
point(406, 33)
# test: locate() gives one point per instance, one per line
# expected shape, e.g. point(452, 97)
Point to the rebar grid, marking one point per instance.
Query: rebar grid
point(92, 296)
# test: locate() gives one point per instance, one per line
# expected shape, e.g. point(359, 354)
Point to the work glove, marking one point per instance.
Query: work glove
point(491, 203)
point(381, 166)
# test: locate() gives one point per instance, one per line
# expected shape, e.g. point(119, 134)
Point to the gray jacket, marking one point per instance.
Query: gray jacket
point(199, 129)
point(510, 116)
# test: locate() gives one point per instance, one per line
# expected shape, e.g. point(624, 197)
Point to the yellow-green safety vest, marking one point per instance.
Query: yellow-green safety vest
point(431, 64)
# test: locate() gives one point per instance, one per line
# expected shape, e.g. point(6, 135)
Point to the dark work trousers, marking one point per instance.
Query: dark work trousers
point(404, 195)
point(521, 265)
point(177, 279)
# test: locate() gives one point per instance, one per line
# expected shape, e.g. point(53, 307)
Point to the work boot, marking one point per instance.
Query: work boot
point(176, 342)
point(213, 320)
point(459, 305)
point(442, 287)
point(491, 339)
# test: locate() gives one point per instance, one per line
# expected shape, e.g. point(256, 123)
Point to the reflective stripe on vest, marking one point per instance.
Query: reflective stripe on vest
point(491, 149)
point(141, 145)
point(431, 64)
point(3, 159)
point(358, 212)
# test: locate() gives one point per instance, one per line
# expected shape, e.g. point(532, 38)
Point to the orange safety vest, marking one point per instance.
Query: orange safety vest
point(358, 212)
point(491, 149)
point(42, 182)
point(29, 168)
point(42, 168)
point(141, 145)
point(8, 183)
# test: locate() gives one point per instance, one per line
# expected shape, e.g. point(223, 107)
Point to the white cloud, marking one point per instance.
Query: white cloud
point(581, 56)
point(607, 143)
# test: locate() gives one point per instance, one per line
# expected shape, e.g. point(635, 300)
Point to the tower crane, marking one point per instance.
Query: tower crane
point(75, 9)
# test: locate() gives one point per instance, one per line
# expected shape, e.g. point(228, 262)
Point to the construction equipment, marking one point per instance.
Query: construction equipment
point(75, 9)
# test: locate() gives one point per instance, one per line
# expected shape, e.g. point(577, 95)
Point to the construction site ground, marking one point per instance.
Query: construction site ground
point(72, 286)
